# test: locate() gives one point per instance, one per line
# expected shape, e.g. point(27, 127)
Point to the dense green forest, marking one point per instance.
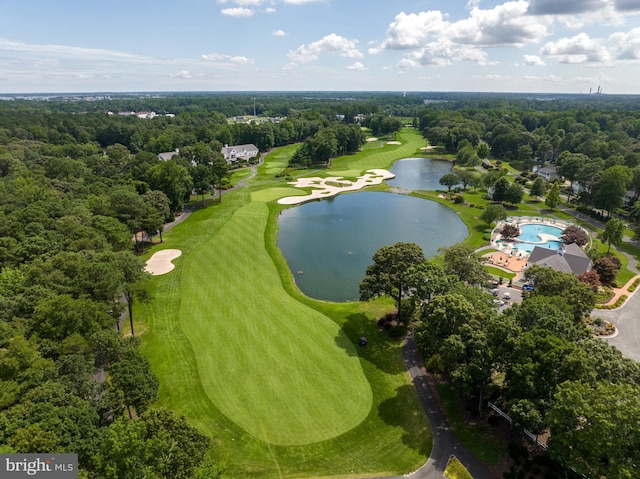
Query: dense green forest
point(82, 190)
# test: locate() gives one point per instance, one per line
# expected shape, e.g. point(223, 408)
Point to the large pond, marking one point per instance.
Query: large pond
point(419, 173)
point(329, 244)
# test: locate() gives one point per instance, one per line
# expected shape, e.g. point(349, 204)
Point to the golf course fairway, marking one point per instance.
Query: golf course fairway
point(271, 376)
point(281, 359)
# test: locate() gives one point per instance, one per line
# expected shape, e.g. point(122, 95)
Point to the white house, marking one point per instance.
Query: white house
point(146, 115)
point(548, 173)
point(628, 197)
point(236, 153)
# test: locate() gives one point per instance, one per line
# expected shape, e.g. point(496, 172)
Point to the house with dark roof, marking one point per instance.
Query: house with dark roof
point(569, 258)
point(236, 153)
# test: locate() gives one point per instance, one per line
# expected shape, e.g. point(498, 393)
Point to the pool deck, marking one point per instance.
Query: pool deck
point(514, 260)
point(508, 262)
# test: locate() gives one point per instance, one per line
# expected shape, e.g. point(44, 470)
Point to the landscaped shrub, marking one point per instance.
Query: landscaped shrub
point(619, 302)
point(434, 364)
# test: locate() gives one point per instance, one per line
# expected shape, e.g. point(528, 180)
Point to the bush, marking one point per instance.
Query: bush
point(434, 364)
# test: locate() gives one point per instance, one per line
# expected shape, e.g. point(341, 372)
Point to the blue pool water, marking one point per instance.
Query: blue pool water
point(530, 237)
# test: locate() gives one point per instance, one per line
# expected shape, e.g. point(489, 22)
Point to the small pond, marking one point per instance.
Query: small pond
point(329, 244)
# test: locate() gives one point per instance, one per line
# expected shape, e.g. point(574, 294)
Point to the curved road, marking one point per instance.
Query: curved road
point(445, 442)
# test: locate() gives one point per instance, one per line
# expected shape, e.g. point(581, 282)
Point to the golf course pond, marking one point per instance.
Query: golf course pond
point(329, 244)
point(419, 173)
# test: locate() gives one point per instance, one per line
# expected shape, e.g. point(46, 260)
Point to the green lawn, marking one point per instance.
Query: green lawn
point(271, 376)
point(456, 470)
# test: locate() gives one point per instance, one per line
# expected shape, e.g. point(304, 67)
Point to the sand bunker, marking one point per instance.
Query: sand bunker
point(393, 143)
point(328, 187)
point(161, 262)
point(373, 138)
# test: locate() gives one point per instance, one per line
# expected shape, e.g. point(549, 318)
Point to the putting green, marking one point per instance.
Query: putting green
point(283, 372)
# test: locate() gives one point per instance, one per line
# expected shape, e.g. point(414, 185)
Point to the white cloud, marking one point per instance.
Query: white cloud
point(430, 39)
point(237, 12)
point(182, 74)
point(503, 25)
point(270, 10)
point(578, 49)
point(443, 53)
point(490, 76)
point(533, 60)
point(279, 33)
point(221, 57)
point(70, 51)
point(214, 57)
point(332, 43)
point(356, 66)
point(626, 45)
point(411, 30)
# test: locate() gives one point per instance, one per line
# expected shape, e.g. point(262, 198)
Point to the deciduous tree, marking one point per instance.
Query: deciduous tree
point(595, 428)
point(575, 234)
point(449, 180)
point(388, 275)
point(509, 230)
point(493, 212)
point(553, 196)
point(461, 261)
point(613, 233)
point(538, 188)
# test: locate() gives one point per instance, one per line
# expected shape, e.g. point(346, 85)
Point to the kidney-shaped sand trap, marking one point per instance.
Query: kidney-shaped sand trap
point(161, 262)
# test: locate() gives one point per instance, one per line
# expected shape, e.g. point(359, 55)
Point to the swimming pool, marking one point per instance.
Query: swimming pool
point(533, 235)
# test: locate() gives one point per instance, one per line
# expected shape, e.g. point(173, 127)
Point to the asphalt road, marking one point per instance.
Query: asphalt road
point(445, 442)
point(627, 321)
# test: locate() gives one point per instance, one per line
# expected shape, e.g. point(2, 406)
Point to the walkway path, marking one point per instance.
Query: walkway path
point(445, 442)
point(624, 290)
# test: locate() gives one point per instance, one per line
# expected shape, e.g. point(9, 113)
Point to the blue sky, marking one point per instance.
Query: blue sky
point(565, 46)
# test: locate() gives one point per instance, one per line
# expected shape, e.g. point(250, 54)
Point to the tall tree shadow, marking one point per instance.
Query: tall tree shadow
point(397, 411)
point(380, 350)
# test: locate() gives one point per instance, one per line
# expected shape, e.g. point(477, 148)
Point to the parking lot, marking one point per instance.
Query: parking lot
point(514, 295)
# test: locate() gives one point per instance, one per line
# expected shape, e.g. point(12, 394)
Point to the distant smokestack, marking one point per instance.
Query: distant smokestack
point(590, 91)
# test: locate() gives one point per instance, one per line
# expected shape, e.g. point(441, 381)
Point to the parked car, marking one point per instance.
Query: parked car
point(506, 296)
